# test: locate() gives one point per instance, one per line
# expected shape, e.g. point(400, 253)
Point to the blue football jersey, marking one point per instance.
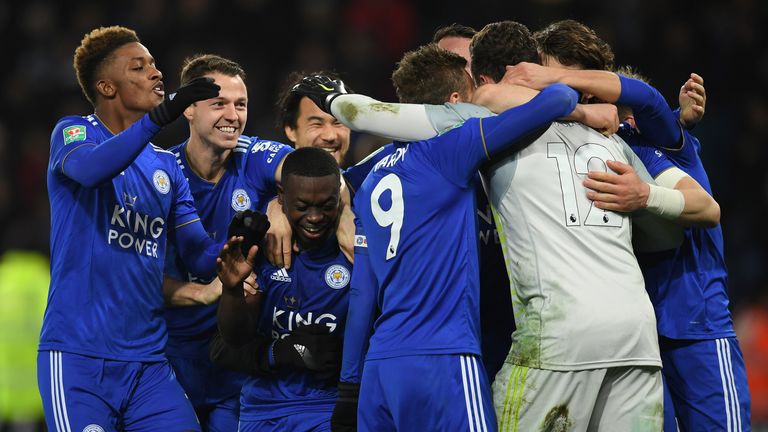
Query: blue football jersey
point(417, 207)
point(497, 323)
point(356, 174)
point(247, 184)
point(315, 290)
point(108, 245)
point(688, 285)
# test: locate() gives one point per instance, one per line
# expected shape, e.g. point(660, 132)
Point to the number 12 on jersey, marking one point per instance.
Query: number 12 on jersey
point(392, 217)
point(582, 157)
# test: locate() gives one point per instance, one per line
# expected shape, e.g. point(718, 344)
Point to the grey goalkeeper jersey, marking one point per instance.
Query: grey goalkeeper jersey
point(578, 294)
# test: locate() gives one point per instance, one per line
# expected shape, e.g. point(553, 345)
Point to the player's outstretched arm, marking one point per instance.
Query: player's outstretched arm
point(359, 327)
point(676, 196)
point(501, 132)
point(403, 122)
point(499, 97)
point(395, 121)
point(654, 117)
point(91, 165)
point(180, 293)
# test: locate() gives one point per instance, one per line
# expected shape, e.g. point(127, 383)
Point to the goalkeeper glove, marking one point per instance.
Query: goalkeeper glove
point(175, 103)
point(344, 417)
point(311, 347)
point(321, 89)
point(252, 225)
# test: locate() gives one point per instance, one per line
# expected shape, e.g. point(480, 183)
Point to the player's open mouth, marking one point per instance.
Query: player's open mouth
point(227, 129)
point(332, 150)
point(159, 89)
point(313, 231)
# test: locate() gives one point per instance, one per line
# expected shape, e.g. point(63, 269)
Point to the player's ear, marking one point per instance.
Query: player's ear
point(290, 133)
point(106, 88)
point(455, 97)
point(189, 112)
point(280, 193)
point(485, 79)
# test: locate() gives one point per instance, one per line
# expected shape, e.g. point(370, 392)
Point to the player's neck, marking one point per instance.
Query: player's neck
point(208, 162)
point(116, 120)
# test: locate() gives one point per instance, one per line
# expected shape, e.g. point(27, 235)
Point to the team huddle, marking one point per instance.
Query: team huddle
point(538, 249)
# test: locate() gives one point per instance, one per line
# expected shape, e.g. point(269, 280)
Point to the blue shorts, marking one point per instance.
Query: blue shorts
point(707, 384)
point(297, 422)
point(213, 391)
point(82, 393)
point(423, 393)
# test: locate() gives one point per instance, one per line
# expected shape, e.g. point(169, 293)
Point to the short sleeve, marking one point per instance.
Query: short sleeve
point(261, 161)
point(654, 160)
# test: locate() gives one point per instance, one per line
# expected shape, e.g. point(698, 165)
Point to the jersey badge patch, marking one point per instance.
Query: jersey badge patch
point(162, 181)
point(337, 276)
point(93, 428)
point(73, 134)
point(361, 241)
point(240, 200)
point(280, 276)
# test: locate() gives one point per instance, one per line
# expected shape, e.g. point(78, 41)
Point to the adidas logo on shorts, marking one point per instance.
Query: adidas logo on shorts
point(281, 276)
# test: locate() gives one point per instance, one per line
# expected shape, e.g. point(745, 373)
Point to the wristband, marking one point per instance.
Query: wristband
point(665, 202)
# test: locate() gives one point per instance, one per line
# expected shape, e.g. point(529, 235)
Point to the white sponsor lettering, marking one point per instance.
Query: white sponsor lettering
point(283, 321)
point(130, 230)
point(395, 157)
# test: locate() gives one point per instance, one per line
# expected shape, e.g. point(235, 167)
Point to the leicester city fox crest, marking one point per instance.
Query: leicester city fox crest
point(161, 181)
point(337, 276)
point(240, 200)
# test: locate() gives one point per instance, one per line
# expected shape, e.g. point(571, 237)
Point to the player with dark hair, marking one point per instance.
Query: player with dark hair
point(116, 199)
point(571, 44)
point(507, 40)
point(705, 378)
point(293, 353)
point(306, 125)
point(227, 173)
point(455, 38)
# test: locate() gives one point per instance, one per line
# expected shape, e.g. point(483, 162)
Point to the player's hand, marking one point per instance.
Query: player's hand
point(623, 191)
point(278, 247)
point(344, 417)
point(175, 103)
point(311, 347)
point(233, 268)
point(321, 89)
point(693, 101)
point(251, 285)
point(251, 225)
point(530, 75)
point(601, 117)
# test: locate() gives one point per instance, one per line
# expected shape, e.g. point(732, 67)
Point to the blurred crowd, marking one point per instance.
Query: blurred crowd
point(725, 42)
